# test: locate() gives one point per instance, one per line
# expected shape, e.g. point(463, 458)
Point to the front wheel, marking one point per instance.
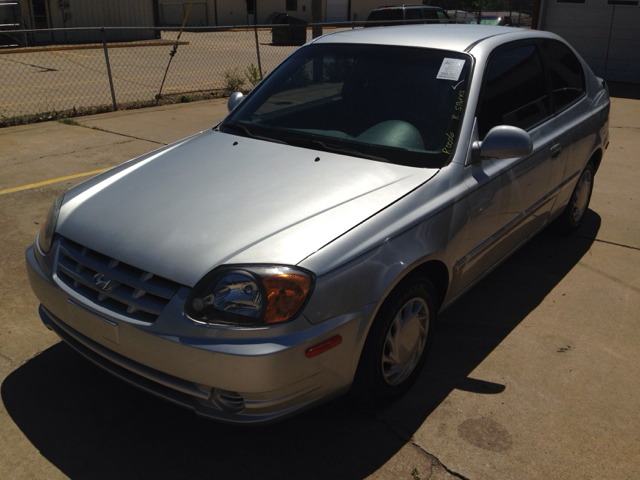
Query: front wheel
point(398, 342)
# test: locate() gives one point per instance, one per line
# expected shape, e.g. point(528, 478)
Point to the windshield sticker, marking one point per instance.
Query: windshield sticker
point(450, 69)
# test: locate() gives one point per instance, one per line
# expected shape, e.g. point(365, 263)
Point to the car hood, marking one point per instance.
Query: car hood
point(217, 198)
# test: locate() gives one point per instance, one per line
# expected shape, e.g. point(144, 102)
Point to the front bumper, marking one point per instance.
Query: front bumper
point(228, 374)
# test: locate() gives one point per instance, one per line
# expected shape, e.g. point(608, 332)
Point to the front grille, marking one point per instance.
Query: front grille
point(131, 292)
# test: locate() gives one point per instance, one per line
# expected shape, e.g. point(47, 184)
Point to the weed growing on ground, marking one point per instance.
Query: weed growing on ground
point(69, 121)
point(64, 116)
point(233, 80)
point(253, 75)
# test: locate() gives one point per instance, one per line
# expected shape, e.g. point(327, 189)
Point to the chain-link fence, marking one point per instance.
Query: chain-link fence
point(63, 79)
point(58, 78)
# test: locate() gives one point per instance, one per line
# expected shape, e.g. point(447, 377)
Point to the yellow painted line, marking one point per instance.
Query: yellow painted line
point(54, 180)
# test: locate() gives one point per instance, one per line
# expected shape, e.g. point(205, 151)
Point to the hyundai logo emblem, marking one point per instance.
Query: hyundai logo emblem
point(102, 282)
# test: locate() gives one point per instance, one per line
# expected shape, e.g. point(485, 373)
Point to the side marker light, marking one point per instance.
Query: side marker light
point(323, 347)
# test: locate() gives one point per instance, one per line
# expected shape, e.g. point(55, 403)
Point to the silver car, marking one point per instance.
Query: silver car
point(304, 246)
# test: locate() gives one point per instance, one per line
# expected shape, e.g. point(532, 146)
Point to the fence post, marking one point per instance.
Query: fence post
point(255, 31)
point(106, 57)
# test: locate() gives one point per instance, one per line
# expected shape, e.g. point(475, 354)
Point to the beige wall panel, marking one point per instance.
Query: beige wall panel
point(602, 43)
point(303, 10)
point(360, 9)
point(232, 12)
point(172, 13)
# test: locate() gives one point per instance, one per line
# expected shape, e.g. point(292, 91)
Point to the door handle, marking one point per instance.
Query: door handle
point(556, 150)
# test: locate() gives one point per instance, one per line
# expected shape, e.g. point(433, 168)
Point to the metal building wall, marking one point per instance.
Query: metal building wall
point(303, 10)
point(607, 36)
point(203, 12)
point(232, 12)
point(360, 9)
point(93, 13)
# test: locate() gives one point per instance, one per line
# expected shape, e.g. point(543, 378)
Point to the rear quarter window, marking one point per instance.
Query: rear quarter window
point(414, 14)
point(567, 76)
point(385, 15)
point(514, 91)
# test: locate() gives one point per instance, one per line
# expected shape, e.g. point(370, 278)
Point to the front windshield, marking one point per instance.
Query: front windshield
point(395, 104)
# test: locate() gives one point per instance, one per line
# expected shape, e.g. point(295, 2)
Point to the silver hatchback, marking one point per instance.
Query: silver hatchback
point(304, 246)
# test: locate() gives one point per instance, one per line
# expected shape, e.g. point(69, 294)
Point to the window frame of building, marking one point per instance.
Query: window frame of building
point(291, 5)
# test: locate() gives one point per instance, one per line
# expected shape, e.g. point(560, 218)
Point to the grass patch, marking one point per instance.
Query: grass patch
point(69, 121)
point(65, 116)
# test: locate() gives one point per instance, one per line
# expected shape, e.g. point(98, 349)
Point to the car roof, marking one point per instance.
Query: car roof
point(454, 37)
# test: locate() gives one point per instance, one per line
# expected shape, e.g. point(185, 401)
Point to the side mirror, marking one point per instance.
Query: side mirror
point(234, 100)
point(504, 142)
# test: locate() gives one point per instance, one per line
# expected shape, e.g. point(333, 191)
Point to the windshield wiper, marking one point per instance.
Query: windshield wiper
point(248, 133)
point(327, 147)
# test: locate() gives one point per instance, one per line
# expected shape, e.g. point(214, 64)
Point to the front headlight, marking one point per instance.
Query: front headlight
point(48, 227)
point(250, 295)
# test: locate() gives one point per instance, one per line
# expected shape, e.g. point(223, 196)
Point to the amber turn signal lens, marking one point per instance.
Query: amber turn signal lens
point(323, 347)
point(285, 295)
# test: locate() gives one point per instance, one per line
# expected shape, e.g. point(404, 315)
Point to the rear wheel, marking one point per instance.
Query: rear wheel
point(398, 342)
point(573, 215)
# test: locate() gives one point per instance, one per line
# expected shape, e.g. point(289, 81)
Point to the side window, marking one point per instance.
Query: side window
point(567, 77)
point(413, 14)
point(514, 91)
point(430, 15)
point(443, 17)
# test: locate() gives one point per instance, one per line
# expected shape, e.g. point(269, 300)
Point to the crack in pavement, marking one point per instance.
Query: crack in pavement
point(44, 69)
point(608, 242)
point(4, 357)
point(71, 152)
point(406, 436)
point(123, 135)
point(451, 472)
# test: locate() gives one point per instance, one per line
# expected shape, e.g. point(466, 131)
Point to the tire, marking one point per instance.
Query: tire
point(398, 342)
point(573, 215)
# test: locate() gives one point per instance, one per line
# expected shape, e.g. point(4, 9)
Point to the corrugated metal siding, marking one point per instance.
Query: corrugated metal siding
point(232, 12)
point(360, 9)
point(97, 13)
point(172, 13)
point(303, 12)
point(607, 37)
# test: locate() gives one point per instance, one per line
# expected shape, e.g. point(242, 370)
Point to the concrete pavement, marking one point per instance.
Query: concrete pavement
point(535, 373)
